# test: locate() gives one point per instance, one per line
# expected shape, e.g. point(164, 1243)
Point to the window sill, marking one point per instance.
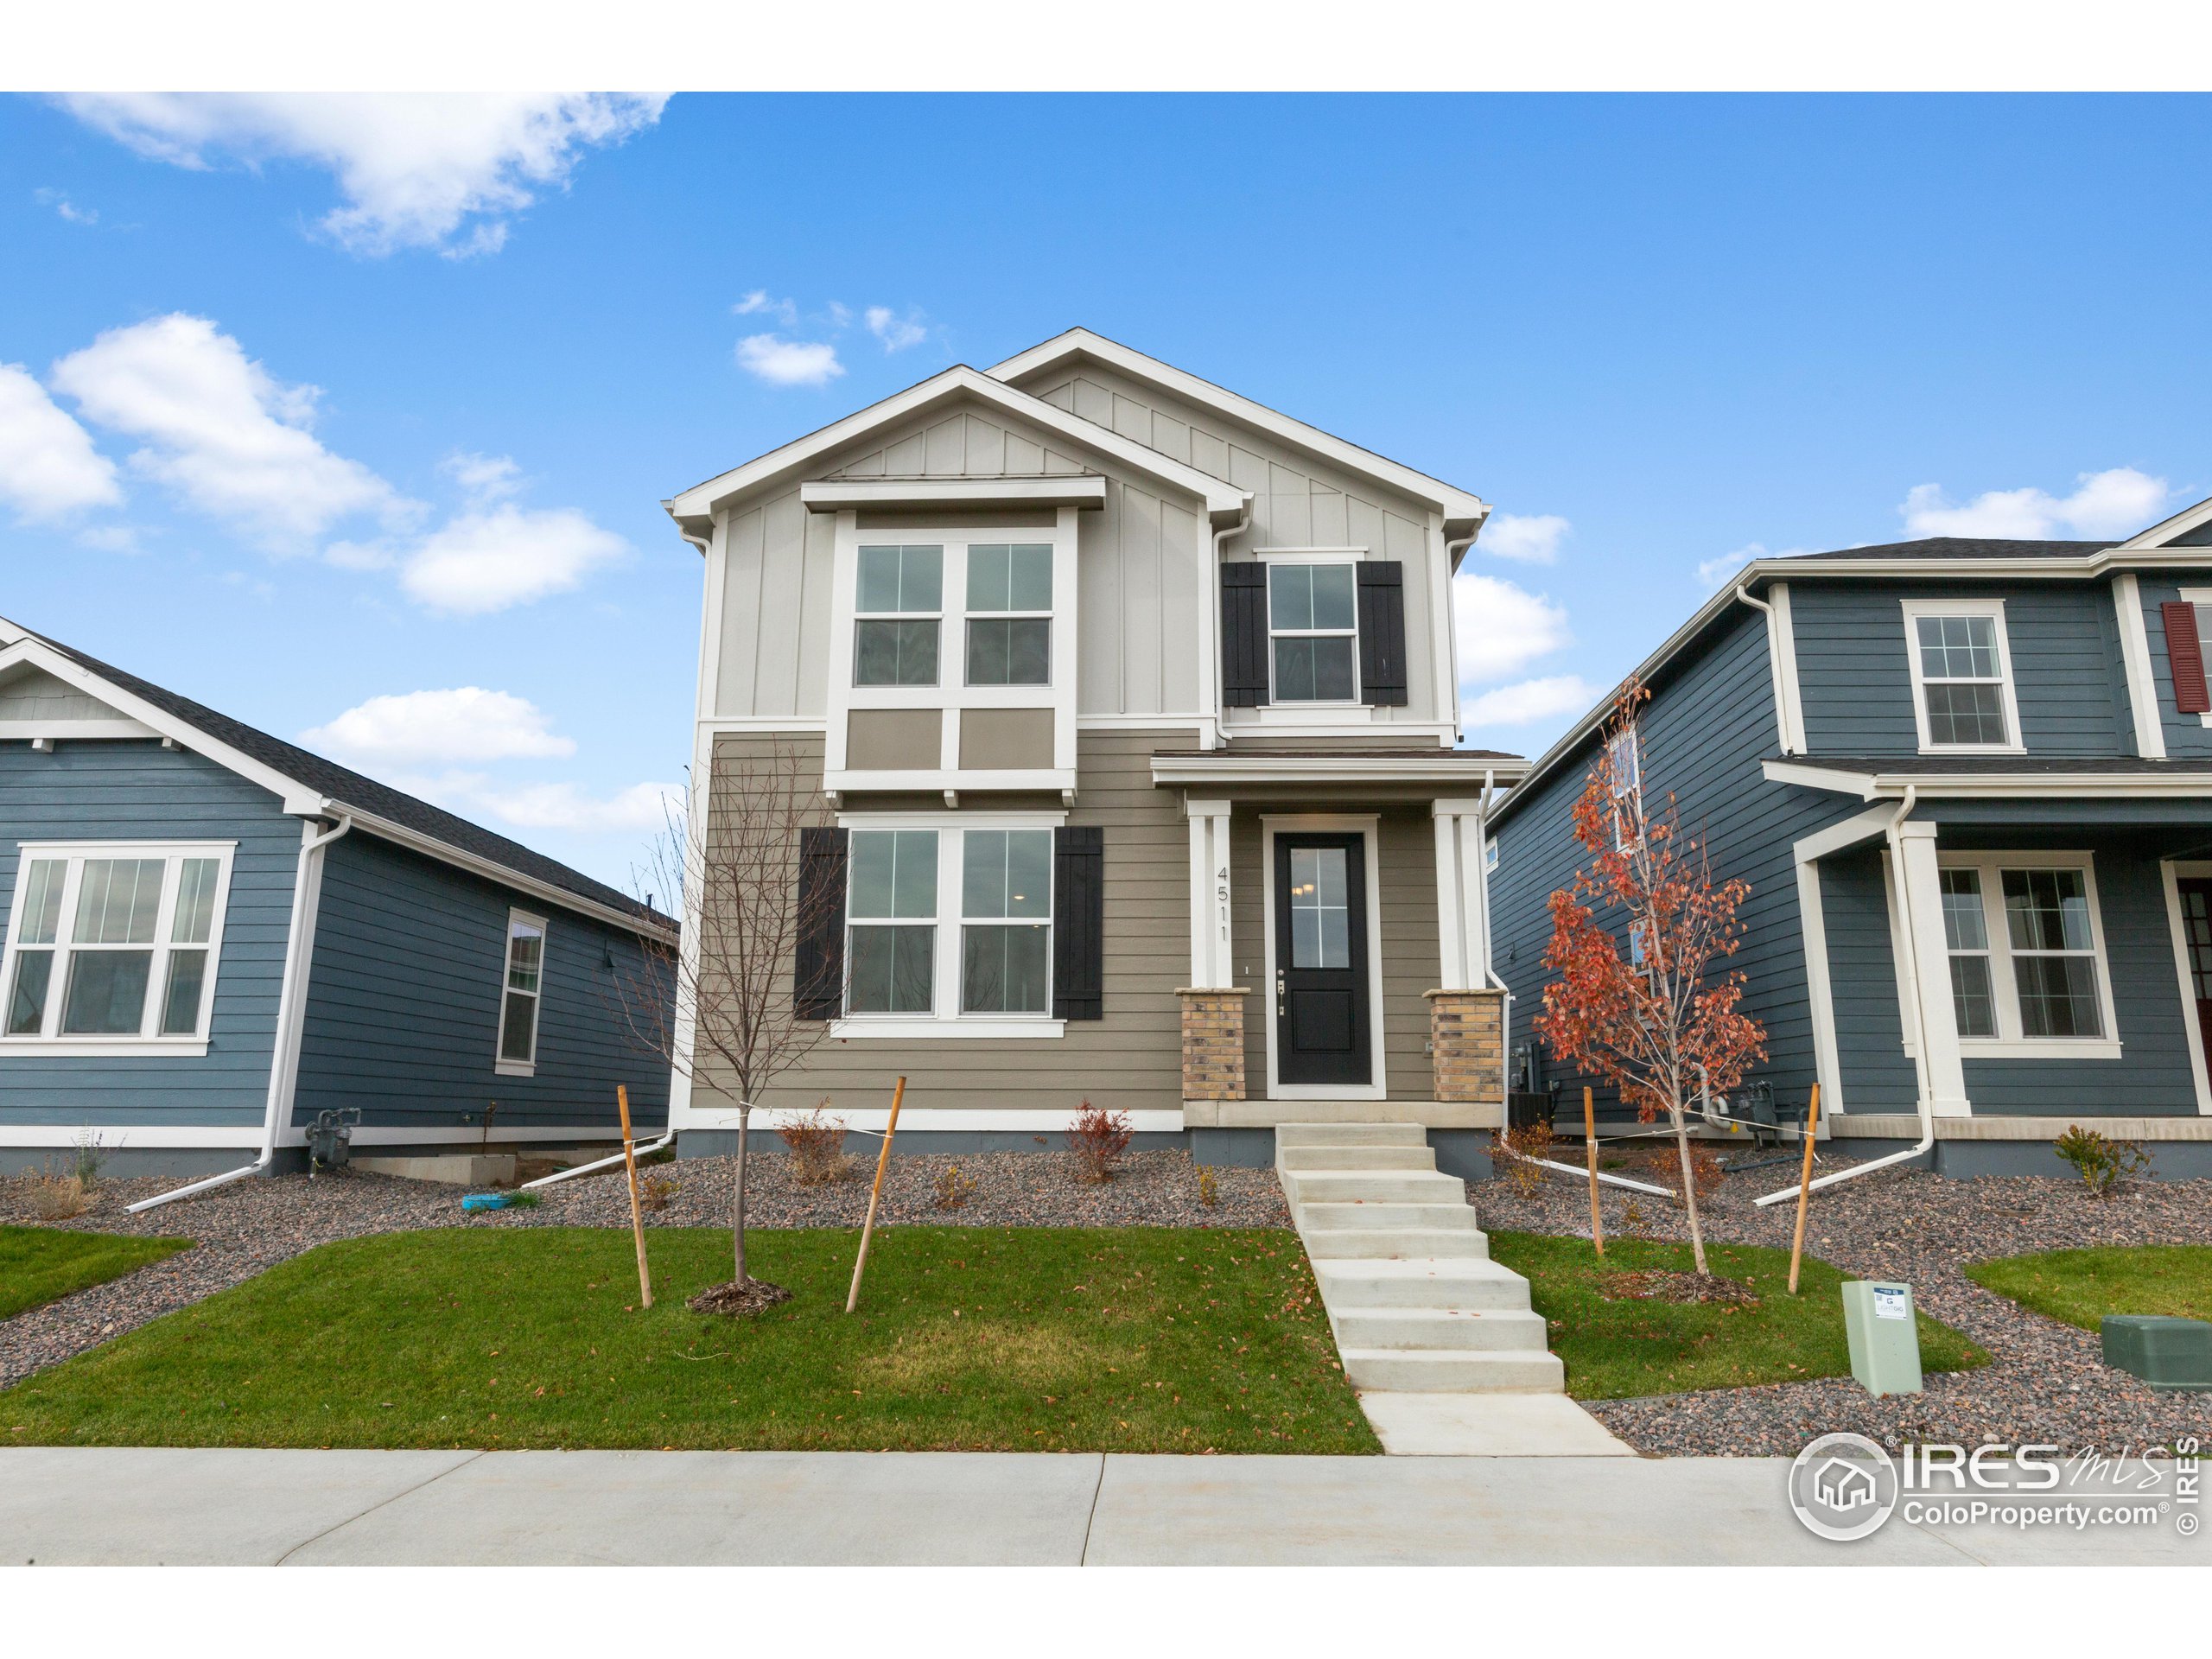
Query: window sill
point(871, 1027)
point(1973, 748)
point(515, 1068)
point(2039, 1048)
point(85, 1048)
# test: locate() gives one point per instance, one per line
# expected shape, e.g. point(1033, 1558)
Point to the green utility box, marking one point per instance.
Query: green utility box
point(1885, 1338)
point(2167, 1353)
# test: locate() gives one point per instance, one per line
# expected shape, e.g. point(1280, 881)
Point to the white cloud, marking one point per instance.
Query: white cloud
point(1534, 537)
point(416, 170)
point(233, 440)
point(565, 806)
point(466, 724)
point(789, 362)
point(490, 558)
point(68, 209)
point(758, 304)
point(1528, 701)
point(2116, 502)
point(47, 464)
point(897, 333)
point(483, 478)
point(1503, 628)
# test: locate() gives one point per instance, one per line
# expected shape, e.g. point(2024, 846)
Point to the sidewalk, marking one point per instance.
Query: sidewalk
point(124, 1505)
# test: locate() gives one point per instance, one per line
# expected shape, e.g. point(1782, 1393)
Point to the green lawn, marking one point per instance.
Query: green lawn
point(41, 1264)
point(1614, 1350)
point(1127, 1339)
point(2082, 1287)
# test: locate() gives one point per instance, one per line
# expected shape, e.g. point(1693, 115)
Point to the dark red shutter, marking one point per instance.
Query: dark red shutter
point(1383, 631)
point(2185, 656)
point(1079, 922)
point(1244, 634)
point(818, 964)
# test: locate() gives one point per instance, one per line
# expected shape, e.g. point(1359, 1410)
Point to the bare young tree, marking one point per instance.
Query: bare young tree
point(739, 1017)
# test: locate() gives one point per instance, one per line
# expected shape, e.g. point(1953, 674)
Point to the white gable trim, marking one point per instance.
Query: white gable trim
point(1461, 511)
point(696, 507)
point(2159, 534)
point(1083, 490)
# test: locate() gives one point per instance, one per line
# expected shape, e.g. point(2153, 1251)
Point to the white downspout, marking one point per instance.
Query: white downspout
point(1920, 1048)
point(1211, 635)
point(291, 1016)
point(600, 1163)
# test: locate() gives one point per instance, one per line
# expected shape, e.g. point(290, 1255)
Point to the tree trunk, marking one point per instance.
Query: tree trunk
point(1689, 1183)
point(737, 1202)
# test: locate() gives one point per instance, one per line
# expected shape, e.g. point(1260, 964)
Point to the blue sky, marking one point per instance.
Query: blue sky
point(320, 406)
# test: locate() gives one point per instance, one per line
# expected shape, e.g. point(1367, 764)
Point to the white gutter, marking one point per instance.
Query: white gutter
point(291, 1014)
point(1919, 1048)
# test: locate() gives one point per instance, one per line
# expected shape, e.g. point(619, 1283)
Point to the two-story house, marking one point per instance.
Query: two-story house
point(1970, 784)
point(1132, 705)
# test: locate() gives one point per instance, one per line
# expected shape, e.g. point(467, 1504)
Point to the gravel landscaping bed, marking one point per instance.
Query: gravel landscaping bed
point(251, 1225)
point(2046, 1381)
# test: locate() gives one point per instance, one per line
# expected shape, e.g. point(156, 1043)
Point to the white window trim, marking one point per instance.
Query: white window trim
point(952, 694)
point(2009, 1043)
point(2171, 874)
point(1633, 794)
point(1352, 710)
point(1369, 827)
point(2202, 599)
point(945, 1018)
point(937, 616)
point(502, 1066)
point(147, 1044)
point(1994, 610)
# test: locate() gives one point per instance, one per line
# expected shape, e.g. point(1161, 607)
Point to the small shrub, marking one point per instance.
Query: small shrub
point(2102, 1163)
point(90, 1158)
point(953, 1189)
point(817, 1144)
point(524, 1200)
point(656, 1192)
point(1634, 1223)
point(1098, 1138)
point(1208, 1187)
point(1512, 1150)
point(57, 1196)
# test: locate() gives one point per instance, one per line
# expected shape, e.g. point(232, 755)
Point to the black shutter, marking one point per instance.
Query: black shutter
point(818, 969)
point(1078, 922)
point(1244, 634)
point(1383, 631)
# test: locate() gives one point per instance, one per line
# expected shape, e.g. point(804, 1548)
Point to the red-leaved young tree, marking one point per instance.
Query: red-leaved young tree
point(1659, 1022)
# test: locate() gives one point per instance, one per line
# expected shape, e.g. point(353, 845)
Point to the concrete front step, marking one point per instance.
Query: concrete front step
point(1437, 1328)
point(1453, 1371)
point(1324, 1217)
point(1463, 1282)
point(1351, 1134)
point(1404, 1243)
point(1377, 1186)
point(1333, 1157)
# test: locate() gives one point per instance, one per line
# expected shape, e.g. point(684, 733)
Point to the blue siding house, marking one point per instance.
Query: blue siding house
point(1969, 784)
point(213, 935)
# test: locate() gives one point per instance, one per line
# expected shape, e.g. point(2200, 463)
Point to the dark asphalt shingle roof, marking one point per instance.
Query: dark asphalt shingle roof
point(1966, 547)
point(1345, 751)
point(2125, 765)
point(355, 789)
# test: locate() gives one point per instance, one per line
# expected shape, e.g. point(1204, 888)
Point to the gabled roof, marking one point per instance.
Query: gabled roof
point(312, 786)
point(695, 509)
point(1964, 547)
point(1463, 513)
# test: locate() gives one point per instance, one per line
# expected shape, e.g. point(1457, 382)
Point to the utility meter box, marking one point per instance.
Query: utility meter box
point(1885, 1338)
point(2167, 1353)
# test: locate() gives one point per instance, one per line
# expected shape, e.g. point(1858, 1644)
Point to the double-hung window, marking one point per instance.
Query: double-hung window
point(1313, 632)
point(1006, 909)
point(898, 608)
point(1965, 935)
point(950, 927)
point(2026, 947)
point(521, 992)
point(1961, 675)
point(891, 910)
point(114, 945)
point(1010, 615)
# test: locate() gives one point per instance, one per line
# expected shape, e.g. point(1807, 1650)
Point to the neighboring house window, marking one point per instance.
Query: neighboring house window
point(898, 606)
point(523, 992)
point(1962, 678)
point(1490, 855)
point(1626, 756)
point(949, 924)
point(113, 944)
point(1010, 615)
point(2027, 953)
point(1006, 907)
point(1313, 633)
point(890, 909)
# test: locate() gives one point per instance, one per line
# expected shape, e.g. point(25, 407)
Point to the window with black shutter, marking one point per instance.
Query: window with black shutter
point(1079, 922)
point(818, 969)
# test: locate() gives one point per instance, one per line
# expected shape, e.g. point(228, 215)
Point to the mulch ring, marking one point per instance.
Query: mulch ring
point(1661, 1285)
point(739, 1298)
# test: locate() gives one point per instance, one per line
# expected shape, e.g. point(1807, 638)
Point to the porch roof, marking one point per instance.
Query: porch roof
point(1996, 776)
point(1423, 770)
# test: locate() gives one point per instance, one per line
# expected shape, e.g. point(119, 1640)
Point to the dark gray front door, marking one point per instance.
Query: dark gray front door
point(1321, 1012)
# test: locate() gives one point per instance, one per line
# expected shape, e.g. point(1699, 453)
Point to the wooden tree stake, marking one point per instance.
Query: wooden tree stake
point(1804, 1187)
point(637, 1216)
point(868, 1227)
point(1590, 1149)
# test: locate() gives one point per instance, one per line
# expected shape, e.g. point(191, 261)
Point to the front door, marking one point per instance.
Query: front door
point(1321, 1012)
point(2196, 933)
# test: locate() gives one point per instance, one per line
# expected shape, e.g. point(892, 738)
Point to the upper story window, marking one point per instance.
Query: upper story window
point(113, 944)
point(898, 606)
point(1313, 632)
point(1624, 759)
point(1961, 675)
point(521, 992)
point(1010, 615)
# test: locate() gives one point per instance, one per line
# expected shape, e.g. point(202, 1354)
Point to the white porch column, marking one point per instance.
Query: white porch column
point(1209, 942)
point(1461, 921)
point(1921, 891)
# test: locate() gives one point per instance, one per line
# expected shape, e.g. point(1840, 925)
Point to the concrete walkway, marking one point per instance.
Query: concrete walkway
point(128, 1506)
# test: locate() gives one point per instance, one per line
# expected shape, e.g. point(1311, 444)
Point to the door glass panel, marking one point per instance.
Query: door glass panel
point(1320, 929)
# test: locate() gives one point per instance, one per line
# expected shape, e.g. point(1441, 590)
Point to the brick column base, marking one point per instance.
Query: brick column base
point(1467, 1031)
point(1213, 1043)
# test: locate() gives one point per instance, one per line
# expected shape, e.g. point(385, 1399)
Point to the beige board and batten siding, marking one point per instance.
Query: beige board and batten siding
point(1142, 605)
point(1298, 499)
point(1130, 1060)
point(1412, 966)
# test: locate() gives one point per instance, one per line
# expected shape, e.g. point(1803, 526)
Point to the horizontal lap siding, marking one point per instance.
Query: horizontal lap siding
point(403, 1007)
point(141, 791)
point(1877, 1075)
